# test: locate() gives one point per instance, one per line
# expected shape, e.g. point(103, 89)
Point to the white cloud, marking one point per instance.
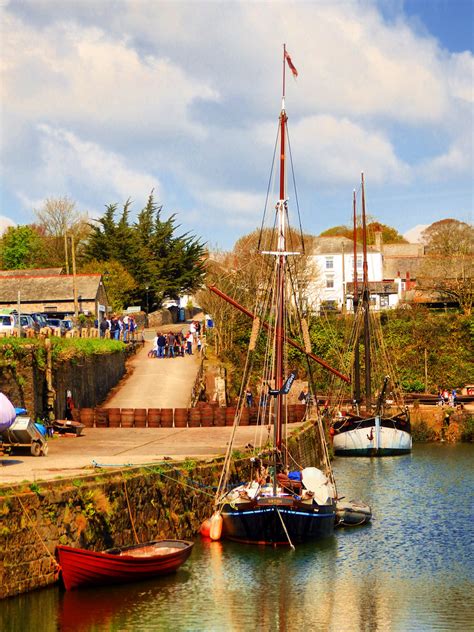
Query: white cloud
point(336, 150)
point(457, 159)
point(235, 208)
point(109, 103)
point(65, 72)
point(461, 76)
point(68, 160)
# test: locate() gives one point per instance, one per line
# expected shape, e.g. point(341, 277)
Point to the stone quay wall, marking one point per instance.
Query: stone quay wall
point(106, 510)
point(89, 378)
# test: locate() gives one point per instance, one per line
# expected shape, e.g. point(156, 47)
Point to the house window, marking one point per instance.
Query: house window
point(329, 263)
point(360, 262)
point(329, 282)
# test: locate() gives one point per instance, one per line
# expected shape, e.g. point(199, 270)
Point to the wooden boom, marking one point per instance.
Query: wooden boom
point(291, 342)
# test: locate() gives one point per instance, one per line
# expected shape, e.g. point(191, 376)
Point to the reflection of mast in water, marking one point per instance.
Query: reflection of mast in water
point(368, 602)
point(321, 600)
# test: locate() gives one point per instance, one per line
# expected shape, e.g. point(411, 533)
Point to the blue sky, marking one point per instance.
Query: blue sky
point(103, 100)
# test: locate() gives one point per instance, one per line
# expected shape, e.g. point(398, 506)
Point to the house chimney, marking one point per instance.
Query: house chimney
point(378, 240)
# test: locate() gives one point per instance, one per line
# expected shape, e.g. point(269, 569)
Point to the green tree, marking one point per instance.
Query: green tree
point(389, 235)
point(118, 282)
point(22, 247)
point(158, 259)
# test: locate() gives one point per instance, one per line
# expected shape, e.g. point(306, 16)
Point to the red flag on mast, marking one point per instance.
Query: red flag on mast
point(291, 65)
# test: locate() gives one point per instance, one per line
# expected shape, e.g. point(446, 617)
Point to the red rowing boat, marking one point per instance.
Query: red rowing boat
point(121, 564)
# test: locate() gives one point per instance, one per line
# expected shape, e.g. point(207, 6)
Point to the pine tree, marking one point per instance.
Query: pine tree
point(166, 264)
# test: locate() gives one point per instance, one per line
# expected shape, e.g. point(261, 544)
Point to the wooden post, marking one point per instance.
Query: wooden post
point(50, 392)
point(74, 280)
point(426, 370)
point(65, 252)
point(19, 314)
point(343, 281)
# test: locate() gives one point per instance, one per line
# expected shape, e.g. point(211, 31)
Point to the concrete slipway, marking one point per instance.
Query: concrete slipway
point(150, 383)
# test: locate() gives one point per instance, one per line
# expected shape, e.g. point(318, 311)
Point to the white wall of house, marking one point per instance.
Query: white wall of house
point(331, 273)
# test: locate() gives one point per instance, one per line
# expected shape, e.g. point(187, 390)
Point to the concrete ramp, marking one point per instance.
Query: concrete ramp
point(156, 382)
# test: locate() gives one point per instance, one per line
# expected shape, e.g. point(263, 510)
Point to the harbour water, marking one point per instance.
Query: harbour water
point(412, 569)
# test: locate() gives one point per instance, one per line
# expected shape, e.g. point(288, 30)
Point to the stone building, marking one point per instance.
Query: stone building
point(49, 292)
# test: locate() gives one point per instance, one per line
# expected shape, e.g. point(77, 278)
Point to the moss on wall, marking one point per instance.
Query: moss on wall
point(87, 367)
point(165, 500)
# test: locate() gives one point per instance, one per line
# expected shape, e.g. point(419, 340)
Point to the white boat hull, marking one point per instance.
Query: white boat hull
point(372, 441)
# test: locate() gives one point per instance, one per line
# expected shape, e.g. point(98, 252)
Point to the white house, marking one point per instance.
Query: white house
point(331, 285)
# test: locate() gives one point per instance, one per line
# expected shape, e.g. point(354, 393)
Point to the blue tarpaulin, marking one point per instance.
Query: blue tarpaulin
point(295, 476)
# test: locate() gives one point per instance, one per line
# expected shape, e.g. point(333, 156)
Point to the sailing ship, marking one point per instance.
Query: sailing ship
point(280, 503)
point(375, 425)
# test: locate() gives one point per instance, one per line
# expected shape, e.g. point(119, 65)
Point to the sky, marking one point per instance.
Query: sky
point(105, 100)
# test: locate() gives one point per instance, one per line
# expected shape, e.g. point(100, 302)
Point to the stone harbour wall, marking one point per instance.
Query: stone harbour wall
point(89, 378)
point(106, 510)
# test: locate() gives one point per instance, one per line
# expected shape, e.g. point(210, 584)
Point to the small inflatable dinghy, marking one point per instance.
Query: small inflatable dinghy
point(351, 513)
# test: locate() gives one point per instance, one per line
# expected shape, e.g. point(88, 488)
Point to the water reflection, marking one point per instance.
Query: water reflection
point(109, 608)
point(412, 569)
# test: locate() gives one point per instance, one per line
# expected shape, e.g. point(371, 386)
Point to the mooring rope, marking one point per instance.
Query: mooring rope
point(196, 489)
point(284, 529)
point(37, 533)
point(196, 486)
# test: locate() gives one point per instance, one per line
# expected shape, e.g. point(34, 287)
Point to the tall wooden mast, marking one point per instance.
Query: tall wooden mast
point(281, 270)
point(365, 303)
point(355, 302)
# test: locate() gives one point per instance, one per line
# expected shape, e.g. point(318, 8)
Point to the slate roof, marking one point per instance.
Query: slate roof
point(48, 288)
point(403, 250)
point(376, 287)
point(32, 272)
point(334, 246)
point(392, 265)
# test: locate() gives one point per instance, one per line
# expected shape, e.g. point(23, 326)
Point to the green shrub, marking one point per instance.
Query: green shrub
point(422, 433)
point(467, 430)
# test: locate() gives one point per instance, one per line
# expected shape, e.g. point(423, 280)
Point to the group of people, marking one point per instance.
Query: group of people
point(446, 397)
point(118, 328)
point(172, 345)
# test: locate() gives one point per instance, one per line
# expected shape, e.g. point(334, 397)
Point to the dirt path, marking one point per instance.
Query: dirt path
point(156, 382)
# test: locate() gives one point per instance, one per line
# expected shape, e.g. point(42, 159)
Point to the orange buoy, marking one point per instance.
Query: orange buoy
point(205, 529)
point(216, 526)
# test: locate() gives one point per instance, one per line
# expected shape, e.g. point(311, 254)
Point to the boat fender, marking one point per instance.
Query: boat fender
point(215, 531)
point(205, 529)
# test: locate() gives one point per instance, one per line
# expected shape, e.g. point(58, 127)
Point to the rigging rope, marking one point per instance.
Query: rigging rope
point(285, 530)
point(36, 530)
point(271, 176)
